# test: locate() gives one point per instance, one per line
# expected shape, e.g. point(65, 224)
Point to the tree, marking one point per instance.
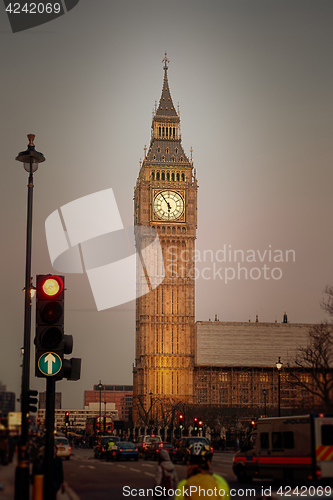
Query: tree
point(314, 363)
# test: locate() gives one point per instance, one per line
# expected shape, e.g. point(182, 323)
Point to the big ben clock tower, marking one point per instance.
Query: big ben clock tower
point(166, 199)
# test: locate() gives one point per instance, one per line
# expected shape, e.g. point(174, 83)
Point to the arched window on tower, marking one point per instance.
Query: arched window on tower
point(173, 176)
point(154, 157)
point(162, 131)
point(153, 176)
point(176, 150)
point(168, 176)
point(170, 132)
point(174, 132)
point(157, 176)
point(163, 176)
point(183, 177)
point(159, 131)
point(167, 150)
point(178, 176)
point(163, 158)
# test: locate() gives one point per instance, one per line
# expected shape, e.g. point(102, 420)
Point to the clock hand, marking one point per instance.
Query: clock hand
point(169, 206)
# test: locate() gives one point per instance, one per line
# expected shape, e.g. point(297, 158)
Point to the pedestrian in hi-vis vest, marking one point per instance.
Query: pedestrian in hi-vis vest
point(200, 477)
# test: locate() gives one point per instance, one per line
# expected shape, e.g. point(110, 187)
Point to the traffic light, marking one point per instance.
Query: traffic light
point(51, 342)
point(67, 418)
point(200, 424)
point(195, 423)
point(181, 421)
point(32, 401)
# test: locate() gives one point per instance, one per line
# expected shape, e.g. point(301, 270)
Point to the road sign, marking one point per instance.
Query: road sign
point(50, 363)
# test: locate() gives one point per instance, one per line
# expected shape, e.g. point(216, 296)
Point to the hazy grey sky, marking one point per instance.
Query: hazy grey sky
point(254, 82)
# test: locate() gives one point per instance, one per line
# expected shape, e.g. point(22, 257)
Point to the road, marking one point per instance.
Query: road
point(93, 479)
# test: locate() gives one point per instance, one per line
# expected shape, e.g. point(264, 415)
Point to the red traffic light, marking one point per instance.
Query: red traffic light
point(181, 417)
point(52, 286)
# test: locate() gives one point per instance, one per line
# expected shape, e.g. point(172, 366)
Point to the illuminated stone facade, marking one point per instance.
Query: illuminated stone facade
point(166, 199)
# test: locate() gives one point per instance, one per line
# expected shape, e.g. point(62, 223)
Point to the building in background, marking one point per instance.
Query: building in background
point(120, 395)
point(235, 366)
point(42, 400)
point(7, 401)
point(77, 419)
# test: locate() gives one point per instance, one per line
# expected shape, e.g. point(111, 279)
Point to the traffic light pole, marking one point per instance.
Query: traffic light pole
point(49, 492)
point(22, 470)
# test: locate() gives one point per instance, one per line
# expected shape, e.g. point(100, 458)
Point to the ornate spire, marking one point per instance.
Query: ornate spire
point(166, 107)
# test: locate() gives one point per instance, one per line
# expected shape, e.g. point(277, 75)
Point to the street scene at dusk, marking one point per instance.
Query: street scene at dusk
point(166, 252)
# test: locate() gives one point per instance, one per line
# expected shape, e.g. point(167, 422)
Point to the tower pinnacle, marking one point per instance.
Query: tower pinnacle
point(166, 61)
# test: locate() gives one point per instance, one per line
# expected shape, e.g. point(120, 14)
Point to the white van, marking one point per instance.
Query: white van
point(145, 441)
point(287, 448)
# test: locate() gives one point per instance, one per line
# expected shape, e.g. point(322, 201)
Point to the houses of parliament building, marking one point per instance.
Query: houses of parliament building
point(176, 359)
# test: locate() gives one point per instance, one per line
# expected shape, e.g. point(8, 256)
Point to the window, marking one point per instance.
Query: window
point(173, 176)
point(158, 176)
point(153, 176)
point(327, 435)
point(288, 440)
point(168, 176)
point(163, 176)
point(281, 440)
point(264, 440)
point(183, 175)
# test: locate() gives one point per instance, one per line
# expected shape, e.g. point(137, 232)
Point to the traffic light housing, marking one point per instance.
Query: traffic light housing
point(200, 425)
point(32, 400)
point(67, 418)
point(50, 341)
point(181, 421)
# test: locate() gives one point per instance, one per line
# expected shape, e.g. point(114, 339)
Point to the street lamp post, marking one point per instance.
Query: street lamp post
point(264, 392)
point(279, 366)
point(151, 408)
point(100, 387)
point(30, 159)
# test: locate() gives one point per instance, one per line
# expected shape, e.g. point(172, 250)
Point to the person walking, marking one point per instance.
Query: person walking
point(201, 480)
point(166, 475)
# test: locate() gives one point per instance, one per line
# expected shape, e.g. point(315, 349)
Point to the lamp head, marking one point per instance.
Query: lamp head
point(30, 158)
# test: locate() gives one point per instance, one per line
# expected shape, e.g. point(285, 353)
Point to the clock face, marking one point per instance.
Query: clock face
point(168, 205)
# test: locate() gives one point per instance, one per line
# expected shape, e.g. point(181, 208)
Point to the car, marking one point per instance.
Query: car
point(126, 450)
point(155, 449)
point(102, 445)
point(64, 449)
point(181, 449)
point(145, 441)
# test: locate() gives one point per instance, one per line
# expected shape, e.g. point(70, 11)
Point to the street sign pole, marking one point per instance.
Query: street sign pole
point(49, 492)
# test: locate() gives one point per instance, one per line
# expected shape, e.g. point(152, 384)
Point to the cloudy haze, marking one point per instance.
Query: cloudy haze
point(253, 79)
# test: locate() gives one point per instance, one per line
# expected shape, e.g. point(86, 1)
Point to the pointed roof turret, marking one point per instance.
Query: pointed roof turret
point(165, 143)
point(166, 107)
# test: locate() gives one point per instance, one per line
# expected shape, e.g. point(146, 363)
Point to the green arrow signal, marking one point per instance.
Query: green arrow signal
point(50, 363)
